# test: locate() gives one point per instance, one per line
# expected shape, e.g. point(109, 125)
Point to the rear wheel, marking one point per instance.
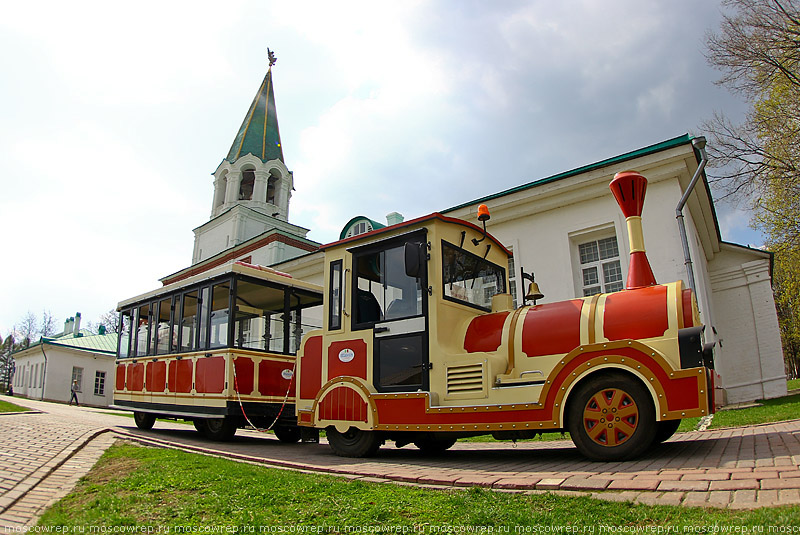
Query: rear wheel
point(354, 442)
point(665, 429)
point(200, 425)
point(288, 435)
point(221, 429)
point(434, 446)
point(611, 418)
point(144, 420)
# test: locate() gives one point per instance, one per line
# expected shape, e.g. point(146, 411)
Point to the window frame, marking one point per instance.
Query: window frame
point(455, 247)
point(418, 236)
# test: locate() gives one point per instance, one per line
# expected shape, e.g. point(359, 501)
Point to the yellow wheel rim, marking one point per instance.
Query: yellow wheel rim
point(610, 417)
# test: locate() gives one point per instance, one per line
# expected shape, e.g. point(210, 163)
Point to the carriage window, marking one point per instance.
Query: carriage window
point(125, 334)
point(305, 316)
point(161, 328)
point(470, 279)
point(259, 317)
point(188, 331)
point(220, 303)
point(202, 320)
point(142, 330)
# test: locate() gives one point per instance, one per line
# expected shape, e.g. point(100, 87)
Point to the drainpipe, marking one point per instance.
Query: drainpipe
point(44, 372)
point(698, 143)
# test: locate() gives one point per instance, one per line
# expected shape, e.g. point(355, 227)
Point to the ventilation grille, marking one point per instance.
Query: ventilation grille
point(466, 379)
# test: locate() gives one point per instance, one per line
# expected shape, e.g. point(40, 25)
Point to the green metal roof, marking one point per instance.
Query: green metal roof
point(664, 145)
point(99, 343)
point(259, 134)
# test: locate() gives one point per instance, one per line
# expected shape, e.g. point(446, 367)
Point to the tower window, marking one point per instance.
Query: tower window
point(246, 186)
point(272, 184)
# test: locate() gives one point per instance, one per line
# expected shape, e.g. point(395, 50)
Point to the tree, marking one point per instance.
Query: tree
point(758, 52)
point(26, 330)
point(48, 325)
point(110, 320)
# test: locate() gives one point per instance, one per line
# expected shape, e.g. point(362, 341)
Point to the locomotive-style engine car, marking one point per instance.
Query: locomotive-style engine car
point(421, 345)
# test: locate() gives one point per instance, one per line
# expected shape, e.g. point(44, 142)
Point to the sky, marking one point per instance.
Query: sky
point(113, 117)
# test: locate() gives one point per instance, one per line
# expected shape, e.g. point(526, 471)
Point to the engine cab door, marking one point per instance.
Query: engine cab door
point(391, 299)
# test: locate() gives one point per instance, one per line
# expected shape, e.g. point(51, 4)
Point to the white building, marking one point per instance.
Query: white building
point(46, 369)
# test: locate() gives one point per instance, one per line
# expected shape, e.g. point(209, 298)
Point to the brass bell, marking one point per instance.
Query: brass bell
point(534, 292)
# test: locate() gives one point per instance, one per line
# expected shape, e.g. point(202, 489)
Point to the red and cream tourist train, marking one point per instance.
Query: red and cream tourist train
point(414, 339)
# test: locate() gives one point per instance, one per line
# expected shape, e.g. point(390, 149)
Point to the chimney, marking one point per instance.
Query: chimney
point(629, 188)
point(101, 330)
point(76, 330)
point(394, 218)
point(66, 326)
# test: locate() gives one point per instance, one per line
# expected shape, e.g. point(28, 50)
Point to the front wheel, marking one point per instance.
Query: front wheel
point(354, 442)
point(144, 420)
point(611, 418)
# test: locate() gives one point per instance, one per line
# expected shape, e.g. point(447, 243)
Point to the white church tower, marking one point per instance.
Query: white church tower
point(252, 189)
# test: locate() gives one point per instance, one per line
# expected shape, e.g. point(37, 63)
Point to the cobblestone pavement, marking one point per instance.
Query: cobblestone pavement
point(44, 454)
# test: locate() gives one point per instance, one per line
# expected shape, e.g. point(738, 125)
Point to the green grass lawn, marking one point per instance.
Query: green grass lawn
point(162, 488)
point(5, 406)
point(793, 384)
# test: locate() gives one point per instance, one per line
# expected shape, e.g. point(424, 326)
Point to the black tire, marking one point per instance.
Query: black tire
point(665, 429)
point(622, 406)
point(219, 429)
point(354, 442)
point(434, 446)
point(144, 420)
point(287, 434)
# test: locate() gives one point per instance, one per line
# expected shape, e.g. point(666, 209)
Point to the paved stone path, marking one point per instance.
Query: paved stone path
point(44, 454)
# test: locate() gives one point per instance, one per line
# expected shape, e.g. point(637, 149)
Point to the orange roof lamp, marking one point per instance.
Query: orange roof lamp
point(629, 188)
point(483, 217)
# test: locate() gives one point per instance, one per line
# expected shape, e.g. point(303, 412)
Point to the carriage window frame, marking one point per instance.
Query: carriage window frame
point(201, 331)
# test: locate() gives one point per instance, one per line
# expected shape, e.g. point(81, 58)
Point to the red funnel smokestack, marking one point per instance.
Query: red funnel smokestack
point(629, 188)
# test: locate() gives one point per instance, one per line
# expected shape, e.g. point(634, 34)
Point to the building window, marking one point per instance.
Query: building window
point(601, 271)
point(99, 383)
point(77, 376)
point(512, 279)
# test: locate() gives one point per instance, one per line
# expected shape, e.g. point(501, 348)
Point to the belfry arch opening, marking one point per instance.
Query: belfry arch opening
point(247, 184)
point(272, 186)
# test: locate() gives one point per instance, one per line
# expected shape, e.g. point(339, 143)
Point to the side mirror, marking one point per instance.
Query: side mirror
point(415, 257)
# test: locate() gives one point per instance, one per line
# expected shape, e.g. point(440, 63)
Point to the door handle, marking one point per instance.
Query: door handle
point(381, 330)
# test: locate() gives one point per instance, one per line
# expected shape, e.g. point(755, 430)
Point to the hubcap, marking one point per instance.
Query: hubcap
point(610, 417)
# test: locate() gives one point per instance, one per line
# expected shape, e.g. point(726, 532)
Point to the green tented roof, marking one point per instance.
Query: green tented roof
point(259, 134)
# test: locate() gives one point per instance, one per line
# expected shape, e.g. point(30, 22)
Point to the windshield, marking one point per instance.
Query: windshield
point(469, 278)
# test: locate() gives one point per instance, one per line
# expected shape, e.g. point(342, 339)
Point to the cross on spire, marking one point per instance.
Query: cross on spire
point(271, 57)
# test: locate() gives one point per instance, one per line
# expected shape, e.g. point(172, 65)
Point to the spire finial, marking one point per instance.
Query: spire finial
point(271, 57)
